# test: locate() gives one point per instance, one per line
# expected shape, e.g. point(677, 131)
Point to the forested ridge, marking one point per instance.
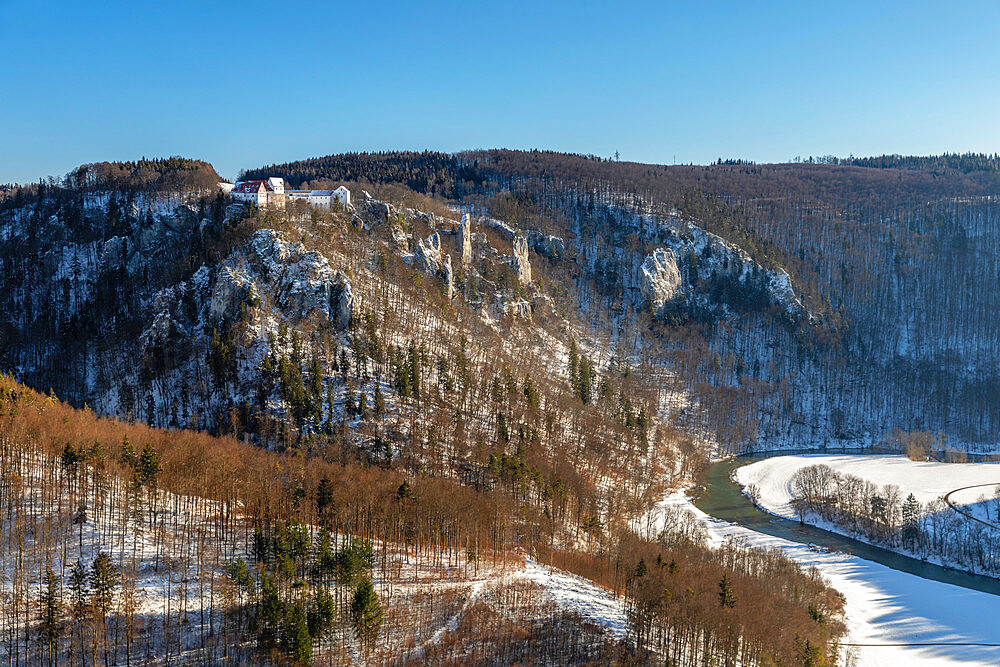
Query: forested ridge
point(891, 253)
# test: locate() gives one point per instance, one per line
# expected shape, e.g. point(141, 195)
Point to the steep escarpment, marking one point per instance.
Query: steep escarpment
point(415, 356)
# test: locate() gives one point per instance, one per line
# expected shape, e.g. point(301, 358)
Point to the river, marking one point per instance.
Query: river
point(724, 500)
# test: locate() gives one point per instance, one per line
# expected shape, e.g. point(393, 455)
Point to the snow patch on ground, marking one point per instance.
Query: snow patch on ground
point(580, 596)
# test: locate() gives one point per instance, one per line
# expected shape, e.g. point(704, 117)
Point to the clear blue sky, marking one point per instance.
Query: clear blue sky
point(244, 84)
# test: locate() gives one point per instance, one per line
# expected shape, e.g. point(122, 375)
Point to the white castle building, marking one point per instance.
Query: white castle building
point(260, 193)
point(271, 193)
point(321, 198)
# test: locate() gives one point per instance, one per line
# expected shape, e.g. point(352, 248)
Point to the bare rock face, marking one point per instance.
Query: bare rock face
point(449, 278)
point(660, 279)
point(162, 331)
point(380, 210)
point(342, 302)
point(519, 261)
point(427, 255)
point(400, 239)
point(465, 239)
point(518, 309)
point(298, 281)
point(230, 290)
point(115, 252)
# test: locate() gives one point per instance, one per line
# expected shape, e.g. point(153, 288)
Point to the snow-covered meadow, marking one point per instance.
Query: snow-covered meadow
point(944, 513)
point(928, 481)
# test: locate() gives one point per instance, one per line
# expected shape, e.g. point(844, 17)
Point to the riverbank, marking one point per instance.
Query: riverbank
point(959, 547)
point(893, 617)
point(920, 615)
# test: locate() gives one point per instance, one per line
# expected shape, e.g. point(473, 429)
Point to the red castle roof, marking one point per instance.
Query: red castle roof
point(252, 186)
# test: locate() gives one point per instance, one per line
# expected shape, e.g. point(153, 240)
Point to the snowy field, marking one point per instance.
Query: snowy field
point(927, 481)
point(890, 611)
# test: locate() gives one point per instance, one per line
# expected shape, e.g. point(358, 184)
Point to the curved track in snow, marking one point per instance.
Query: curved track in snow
point(967, 515)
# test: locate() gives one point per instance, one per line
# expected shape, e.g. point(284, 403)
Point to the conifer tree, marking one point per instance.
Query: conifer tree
point(79, 586)
point(104, 579)
point(322, 613)
point(50, 601)
point(324, 494)
point(70, 458)
point(149, 465)
point(128, 456)
point(573, 364)
point(366, 612)
point(727, 598)
point(297, 641)
point(270, 608)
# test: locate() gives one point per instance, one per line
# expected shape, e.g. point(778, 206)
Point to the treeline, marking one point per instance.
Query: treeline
point(174, 176)
point(431, 173)
point(961, 162)
point(881, 515)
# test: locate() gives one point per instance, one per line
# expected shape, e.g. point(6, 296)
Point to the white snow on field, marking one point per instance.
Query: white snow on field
point(885, 606)
point(980, 501)
point(579, 595)
point(926, 480)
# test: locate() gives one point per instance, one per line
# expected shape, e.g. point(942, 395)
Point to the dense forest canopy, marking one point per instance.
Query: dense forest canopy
point(825, 179)
point(428, 172)
point(172, 174)
point(965, 163)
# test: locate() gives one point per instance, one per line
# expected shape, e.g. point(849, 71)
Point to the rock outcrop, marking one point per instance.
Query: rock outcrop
point(380, 210)
point(449, 278)
point(518, 309)
point(342, 302)
point(229, 291)
point(298, 281)
point(427, 254)
point(115, 253)
point(400, 239)
point(427, 257)
point(660, 279)
point(519, 261)
point(465, 239)
point(162, 331)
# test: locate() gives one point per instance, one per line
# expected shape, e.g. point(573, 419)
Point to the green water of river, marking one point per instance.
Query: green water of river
point(723, 499)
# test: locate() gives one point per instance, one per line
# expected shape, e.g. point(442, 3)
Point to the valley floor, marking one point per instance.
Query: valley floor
point(926, 480)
